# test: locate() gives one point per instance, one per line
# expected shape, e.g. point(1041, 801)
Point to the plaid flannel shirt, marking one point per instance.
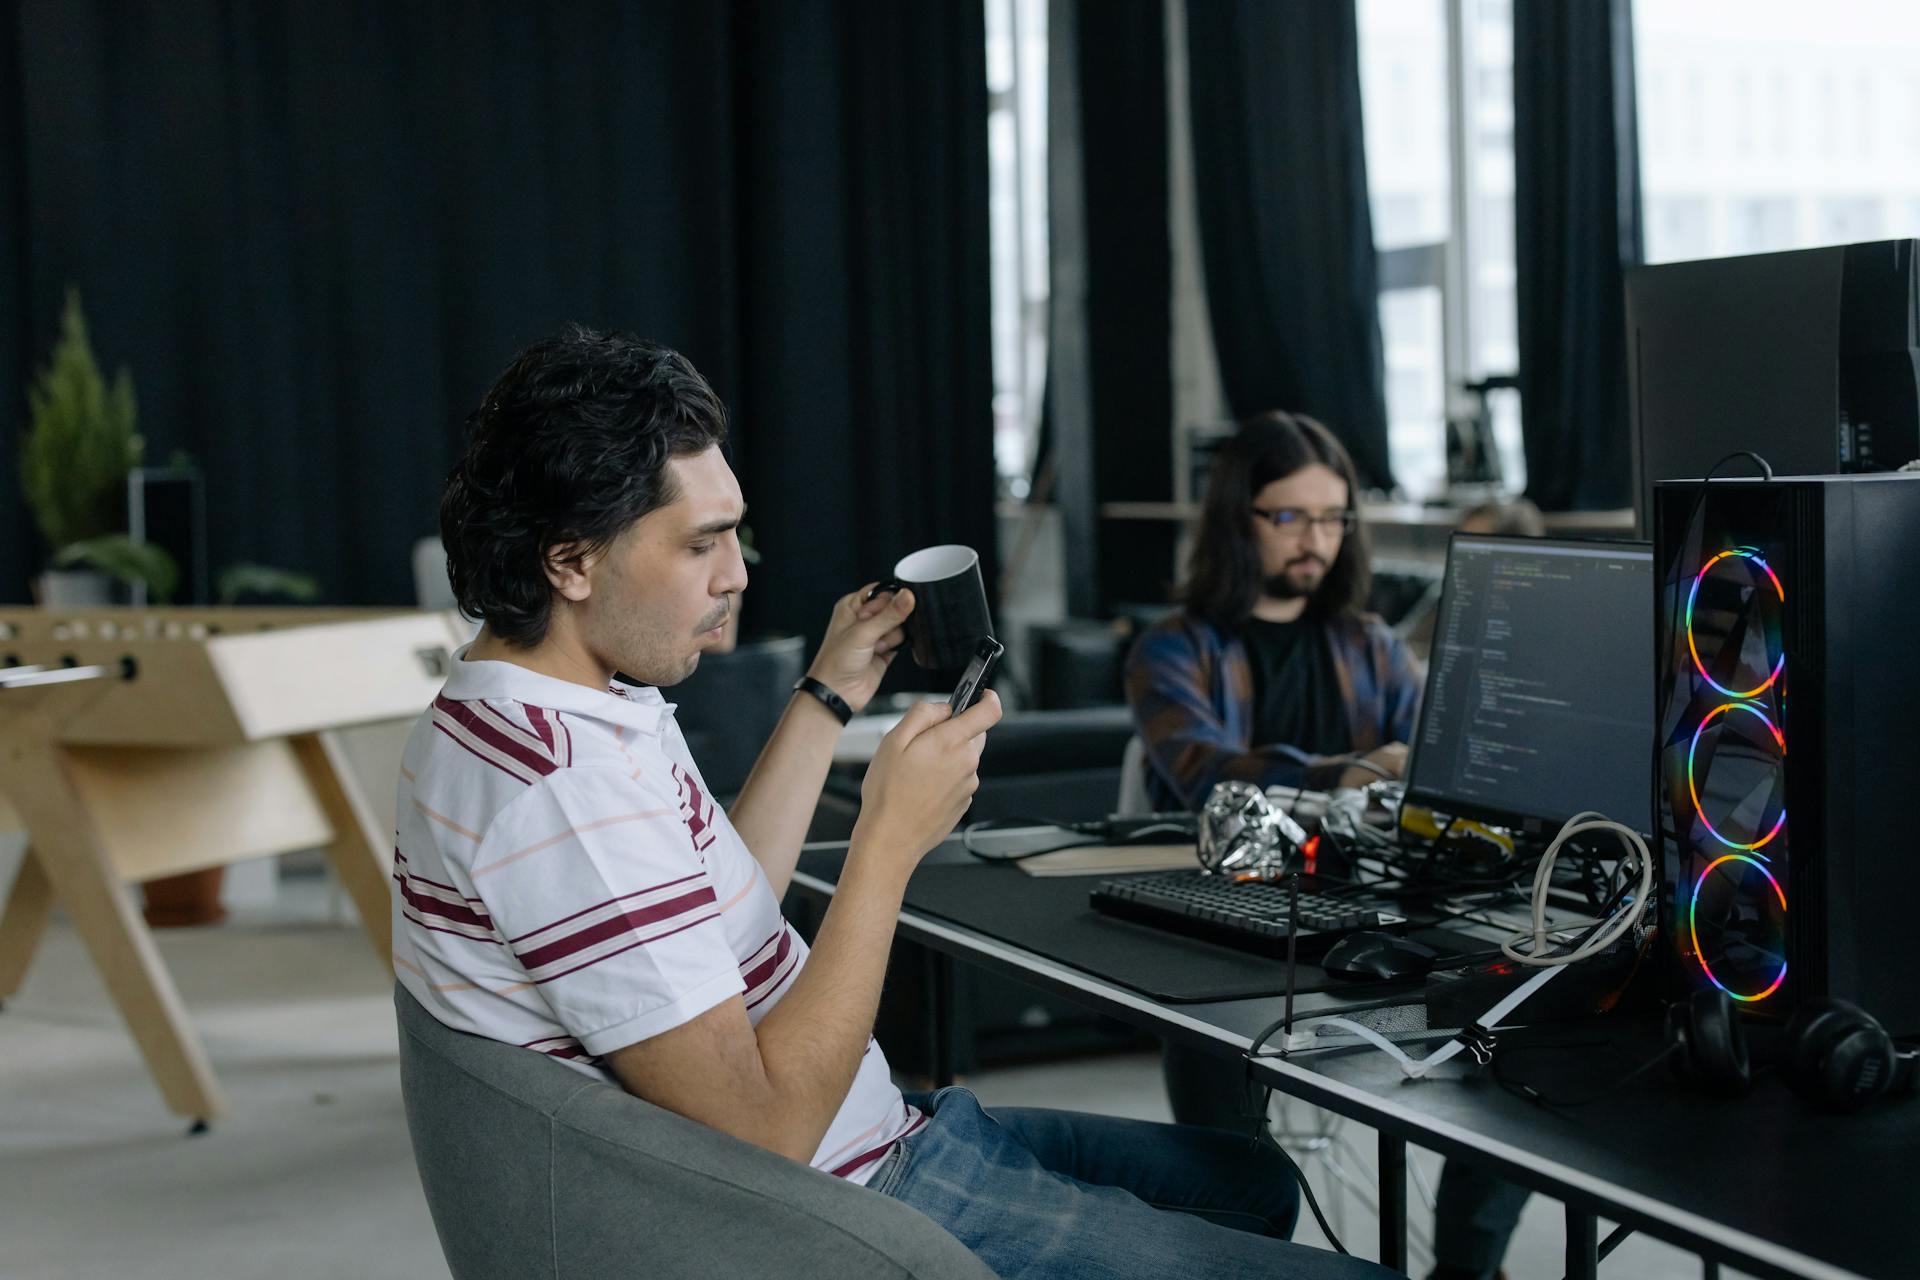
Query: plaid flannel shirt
point(1191, 689)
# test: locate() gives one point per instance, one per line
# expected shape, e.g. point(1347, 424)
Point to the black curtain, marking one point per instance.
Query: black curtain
point(15, 527)
point(1281, 184)
point(1577, 225)
point(1121, 62)
point(866, 380)
point(316, 232)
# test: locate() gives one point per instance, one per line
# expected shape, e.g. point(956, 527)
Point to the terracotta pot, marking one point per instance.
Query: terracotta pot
point(175, 902)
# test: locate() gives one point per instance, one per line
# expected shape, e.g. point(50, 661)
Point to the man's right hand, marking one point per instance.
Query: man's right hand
point(921, 781)
point(780, 1082)
point(1391, 758)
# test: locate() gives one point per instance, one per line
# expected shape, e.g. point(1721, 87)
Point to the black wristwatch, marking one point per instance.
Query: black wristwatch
point(833, 701)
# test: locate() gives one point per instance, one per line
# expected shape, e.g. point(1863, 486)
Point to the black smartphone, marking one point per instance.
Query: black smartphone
point(975, 677)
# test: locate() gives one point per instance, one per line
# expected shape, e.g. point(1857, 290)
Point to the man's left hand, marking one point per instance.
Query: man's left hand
point(861, 641)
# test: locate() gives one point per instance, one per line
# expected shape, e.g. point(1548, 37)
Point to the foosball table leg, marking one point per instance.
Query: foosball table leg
point(361, 850)
point(22, 922)
point(80, 875)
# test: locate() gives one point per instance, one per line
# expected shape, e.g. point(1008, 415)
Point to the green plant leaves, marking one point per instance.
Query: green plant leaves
point(75, 459)
point(121, 557)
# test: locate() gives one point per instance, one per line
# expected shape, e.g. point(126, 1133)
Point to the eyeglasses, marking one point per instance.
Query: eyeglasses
point(1294, 520)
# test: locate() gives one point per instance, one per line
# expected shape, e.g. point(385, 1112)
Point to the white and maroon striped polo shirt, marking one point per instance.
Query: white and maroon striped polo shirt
point(564, 882)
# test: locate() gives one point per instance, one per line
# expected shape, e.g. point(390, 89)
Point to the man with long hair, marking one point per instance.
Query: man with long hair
point(1273, 673)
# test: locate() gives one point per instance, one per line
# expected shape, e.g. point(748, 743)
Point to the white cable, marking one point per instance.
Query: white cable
point(1414, 1068)
point(1622, 920)
point(1616, 925)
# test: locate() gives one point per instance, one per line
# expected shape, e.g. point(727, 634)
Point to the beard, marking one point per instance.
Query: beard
point(658, 654)
point(1291, 583)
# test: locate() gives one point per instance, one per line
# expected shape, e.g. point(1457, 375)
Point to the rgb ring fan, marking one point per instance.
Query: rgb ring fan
point(1693, 780)
point(1693, 598)
point(1734, 915)
point(1732, 722)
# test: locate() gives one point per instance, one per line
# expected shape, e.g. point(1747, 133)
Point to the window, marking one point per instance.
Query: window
point(1762, 222)
point(1442, 210)
point(1403, 94)
point(1017, 212)
point(1799, 126)
point(1491, 315)
point(1683, 223)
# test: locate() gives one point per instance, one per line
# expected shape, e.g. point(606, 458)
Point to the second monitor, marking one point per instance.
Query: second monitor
point(1538, 699)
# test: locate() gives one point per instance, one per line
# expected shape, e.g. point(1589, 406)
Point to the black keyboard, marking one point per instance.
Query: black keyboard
point(1250, 916)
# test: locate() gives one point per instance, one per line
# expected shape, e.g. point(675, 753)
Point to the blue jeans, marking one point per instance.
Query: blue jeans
point(1054, 1195)
point(1474, 1217)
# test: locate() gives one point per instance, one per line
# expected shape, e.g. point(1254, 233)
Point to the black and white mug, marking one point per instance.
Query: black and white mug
point(950, 615)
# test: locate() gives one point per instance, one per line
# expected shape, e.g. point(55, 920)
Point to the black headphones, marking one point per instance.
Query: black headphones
point(1833, 1053)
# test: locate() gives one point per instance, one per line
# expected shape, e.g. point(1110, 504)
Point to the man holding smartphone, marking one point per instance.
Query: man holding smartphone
point(565, 882)
point(973, 681)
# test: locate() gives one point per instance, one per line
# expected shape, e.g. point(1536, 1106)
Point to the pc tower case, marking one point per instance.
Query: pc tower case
point(1788, 709)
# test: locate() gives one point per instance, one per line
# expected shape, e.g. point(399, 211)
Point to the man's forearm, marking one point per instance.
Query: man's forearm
point(777, 803)
point(812, 1042)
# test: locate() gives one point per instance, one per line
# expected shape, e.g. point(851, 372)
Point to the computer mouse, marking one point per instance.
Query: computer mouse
point(1379, 956)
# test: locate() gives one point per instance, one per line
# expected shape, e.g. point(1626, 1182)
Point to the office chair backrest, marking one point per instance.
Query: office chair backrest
point(533, 1170)
point(1133, 798)
point(728, 707)
point(431, 589)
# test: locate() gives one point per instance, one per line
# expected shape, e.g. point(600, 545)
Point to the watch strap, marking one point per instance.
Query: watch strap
point(833, 701)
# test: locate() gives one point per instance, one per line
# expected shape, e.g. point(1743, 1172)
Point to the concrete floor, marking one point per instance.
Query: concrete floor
point(310, 1174)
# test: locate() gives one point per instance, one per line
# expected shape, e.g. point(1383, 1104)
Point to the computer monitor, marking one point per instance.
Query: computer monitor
point(1539, 695)
point(1809, 358)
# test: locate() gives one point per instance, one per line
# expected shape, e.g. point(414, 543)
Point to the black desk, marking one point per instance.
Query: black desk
point(1763, 1183)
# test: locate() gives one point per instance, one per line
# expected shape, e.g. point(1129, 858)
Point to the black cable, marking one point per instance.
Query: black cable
point(1293, 942)
point(1299, 1175)
point(966, 842)
point(1266, 1096)
point(1427, 873)
point(1420, 875)
point(1766, 468)
point(1412, 889)
point(1306, 1189)
point(1096, 833)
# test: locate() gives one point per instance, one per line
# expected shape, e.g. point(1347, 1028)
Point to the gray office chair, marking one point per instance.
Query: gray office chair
point(1133, 799)
point(533, 1170)
point(729, 706)
point(431, 589)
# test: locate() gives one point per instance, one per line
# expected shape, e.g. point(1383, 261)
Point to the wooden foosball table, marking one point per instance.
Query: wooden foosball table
point(140, 743)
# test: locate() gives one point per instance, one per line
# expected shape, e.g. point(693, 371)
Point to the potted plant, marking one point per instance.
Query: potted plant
point(73, 473)
point(257, 583)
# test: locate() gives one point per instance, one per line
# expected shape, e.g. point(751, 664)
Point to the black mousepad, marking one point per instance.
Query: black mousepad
point(1051, 915)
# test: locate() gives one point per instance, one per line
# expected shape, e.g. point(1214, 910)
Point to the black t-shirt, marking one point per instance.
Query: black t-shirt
point(1296, 691)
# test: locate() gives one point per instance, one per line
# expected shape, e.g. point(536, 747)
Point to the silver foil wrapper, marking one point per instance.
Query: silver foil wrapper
point(1242, 832)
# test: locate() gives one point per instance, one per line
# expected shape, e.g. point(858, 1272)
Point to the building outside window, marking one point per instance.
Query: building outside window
point(1017, 212)
point(1774, 124)
point(1435, 195)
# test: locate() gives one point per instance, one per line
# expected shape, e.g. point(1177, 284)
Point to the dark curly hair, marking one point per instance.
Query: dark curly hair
point(1224, 577)
point(568, 449)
